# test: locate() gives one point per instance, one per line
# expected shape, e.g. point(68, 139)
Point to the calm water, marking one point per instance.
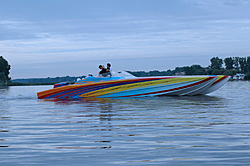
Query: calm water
point(200, 130)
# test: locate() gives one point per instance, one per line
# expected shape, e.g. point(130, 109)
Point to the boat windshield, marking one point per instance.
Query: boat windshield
point(115, 76)
point(122, 74)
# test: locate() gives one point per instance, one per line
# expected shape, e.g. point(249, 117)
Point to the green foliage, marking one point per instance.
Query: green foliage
point(248, 64)
point(198, 70)
point(240, 63)
point(247, 77)
point(4, 71)
point(233, 65)
point(216, 63)
point(151, 73)
point(231, 72)
point(194, 70)
point(3, 79)
point(218, 72)
point(236, 62)
point(243, 64)
point(210, 71)
point(47, 80)
point(229, 62)
point(29, 84)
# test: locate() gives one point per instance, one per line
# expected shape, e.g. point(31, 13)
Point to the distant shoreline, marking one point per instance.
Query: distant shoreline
point(30, 84)
point(52, 83)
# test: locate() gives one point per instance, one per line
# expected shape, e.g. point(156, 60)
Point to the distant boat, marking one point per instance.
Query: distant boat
point(123, 84)
point(239, 76)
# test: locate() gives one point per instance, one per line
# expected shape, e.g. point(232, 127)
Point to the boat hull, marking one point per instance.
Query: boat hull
point(137, 87)
point(220, 81)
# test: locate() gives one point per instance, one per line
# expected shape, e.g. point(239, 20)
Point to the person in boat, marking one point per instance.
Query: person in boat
point(109, 69)
point(104, 72)
point(90, 75)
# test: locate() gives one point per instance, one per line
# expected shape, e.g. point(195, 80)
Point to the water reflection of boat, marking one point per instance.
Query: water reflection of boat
point(125, 85)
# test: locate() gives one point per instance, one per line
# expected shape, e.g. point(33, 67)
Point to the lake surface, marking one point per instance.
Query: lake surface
point(200, 130)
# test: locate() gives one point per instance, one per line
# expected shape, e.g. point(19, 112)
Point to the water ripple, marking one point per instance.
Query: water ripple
point(196, 130)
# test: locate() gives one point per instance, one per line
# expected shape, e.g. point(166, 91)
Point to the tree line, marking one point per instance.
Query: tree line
point(241, 64)
point(4, 71)
point(233, 65)
point(45, 81)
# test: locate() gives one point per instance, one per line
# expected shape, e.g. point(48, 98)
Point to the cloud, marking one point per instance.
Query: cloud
point(15, 24)
point(188, 29)
point(236, 2)
point(145, 38)
point(13, 29)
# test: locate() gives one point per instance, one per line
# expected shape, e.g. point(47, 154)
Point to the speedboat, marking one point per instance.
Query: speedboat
point(123, 84)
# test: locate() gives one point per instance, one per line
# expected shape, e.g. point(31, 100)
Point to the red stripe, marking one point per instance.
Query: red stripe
point(148, 79)
point(100, 83)
point(197, 83)
point(74, 92)
point(222, 78)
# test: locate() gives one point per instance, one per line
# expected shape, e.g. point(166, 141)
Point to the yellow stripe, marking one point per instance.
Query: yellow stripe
point(140, 85)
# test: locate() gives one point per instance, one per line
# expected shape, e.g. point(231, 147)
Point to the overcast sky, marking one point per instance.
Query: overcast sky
point(49, 38)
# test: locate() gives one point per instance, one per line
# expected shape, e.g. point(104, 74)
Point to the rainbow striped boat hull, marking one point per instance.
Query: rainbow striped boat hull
point(119, 87)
